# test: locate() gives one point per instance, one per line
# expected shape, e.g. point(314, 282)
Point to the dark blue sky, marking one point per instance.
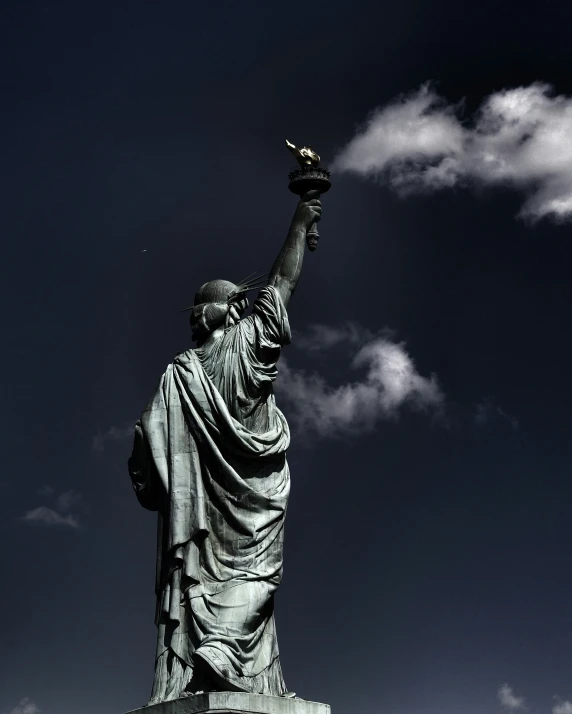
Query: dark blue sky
point(427, 560)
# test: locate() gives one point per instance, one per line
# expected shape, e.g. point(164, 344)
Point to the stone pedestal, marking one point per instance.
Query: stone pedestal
point(235, 703)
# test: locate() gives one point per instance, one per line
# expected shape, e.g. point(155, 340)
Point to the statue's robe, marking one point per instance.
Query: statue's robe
point(210, 457)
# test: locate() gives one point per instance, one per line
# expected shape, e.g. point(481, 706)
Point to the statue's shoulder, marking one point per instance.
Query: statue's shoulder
point(184, 357)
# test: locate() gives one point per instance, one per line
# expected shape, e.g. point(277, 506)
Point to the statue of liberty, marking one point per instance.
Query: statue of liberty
point(209, 456)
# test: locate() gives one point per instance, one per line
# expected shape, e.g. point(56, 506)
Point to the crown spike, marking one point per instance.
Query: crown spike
point(241, 282)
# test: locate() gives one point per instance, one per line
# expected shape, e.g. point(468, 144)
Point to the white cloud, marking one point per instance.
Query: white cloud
point(114, 433)
point(42, 515)
point(390, 382)
point(67, 499)
point(562, 707)
point(59, 511)
point(509, 700)
point(487, 411)
point(26, 706)
point(518, 137)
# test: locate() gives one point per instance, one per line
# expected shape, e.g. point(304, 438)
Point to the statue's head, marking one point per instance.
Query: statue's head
point(221, 303)
point(214, 291)
point(217, 303)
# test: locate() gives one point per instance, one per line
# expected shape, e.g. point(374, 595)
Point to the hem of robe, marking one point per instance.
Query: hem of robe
point(174, 683)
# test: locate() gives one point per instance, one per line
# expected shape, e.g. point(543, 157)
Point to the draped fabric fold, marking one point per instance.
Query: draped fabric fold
point(210, 457)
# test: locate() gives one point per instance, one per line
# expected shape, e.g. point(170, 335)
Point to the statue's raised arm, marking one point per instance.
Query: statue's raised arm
point(308, 181)
point(288, 265)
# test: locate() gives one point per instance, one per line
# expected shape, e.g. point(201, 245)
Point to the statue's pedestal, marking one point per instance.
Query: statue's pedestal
point(235, 703)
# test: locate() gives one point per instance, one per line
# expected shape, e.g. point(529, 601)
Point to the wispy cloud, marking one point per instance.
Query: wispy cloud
point(67, 499)
point(487, 411)
point(58, 513)
point(518, 137)
point(46, 491)
point(562, 707)
point(509, 700)
point(43, 515)
point(389, 382)
point(114, 433)
point(323, 337)
point(26, 706)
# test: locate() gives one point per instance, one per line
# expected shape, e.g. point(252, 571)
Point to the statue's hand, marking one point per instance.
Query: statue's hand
point(309, 210)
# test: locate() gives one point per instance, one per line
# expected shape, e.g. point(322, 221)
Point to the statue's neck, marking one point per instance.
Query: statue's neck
point(212, 339)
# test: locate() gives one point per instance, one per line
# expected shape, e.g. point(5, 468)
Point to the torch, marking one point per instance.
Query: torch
point(309, 177)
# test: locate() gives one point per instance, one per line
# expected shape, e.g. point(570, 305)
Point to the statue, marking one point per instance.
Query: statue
point(209, 456)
